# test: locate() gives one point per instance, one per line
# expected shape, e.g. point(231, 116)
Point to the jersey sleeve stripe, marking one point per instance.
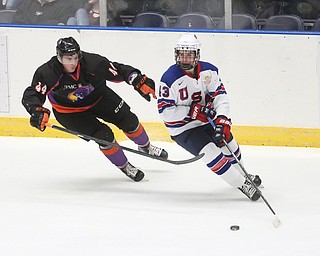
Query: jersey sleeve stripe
point(163, 104)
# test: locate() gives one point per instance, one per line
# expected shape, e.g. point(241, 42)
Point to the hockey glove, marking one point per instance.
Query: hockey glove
point(39, 117)
point(222, 130)
point(202, 112)
point(144, 86)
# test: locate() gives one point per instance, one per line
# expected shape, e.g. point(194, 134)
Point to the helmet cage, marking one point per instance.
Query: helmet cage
point(184, 65)
point(187, 43)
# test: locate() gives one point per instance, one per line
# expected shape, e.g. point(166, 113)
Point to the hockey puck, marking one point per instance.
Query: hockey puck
point(234, 227)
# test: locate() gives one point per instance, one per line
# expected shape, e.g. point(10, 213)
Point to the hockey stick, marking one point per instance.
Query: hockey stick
point(276, 222)
point(104, 142)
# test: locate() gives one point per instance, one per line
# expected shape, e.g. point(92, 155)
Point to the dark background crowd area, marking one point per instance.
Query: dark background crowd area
point(123, 12)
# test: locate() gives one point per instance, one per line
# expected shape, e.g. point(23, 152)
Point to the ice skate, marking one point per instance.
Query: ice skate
point(154, 151)
point(132, 172)
point(256, 179)
point(250, 191)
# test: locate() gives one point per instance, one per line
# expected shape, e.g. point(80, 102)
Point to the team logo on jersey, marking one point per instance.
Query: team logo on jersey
point(207, 80)
point(81, 92)
point(71, 86)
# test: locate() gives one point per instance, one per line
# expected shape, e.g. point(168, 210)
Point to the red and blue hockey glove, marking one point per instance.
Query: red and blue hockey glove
point(202, 112)
point(145, 86)
point(222, 130)
point(39, 117)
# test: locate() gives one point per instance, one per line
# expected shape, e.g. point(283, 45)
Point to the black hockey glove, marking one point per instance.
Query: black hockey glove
point(39, 117)
point(144, 86)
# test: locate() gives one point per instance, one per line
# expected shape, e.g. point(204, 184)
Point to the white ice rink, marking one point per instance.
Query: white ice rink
point(62, 197)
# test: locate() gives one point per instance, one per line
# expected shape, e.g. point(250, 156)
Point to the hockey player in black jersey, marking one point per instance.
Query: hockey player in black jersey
point(74, 82)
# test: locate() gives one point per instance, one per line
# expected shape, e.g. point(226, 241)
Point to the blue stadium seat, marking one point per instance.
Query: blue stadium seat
point(240, 22)
point(150, 19)
point(316, 25)
point(284, 22)
point(6, 16)
point(194, 20)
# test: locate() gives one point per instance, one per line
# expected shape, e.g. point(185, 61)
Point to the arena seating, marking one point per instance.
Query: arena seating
point(267, 15)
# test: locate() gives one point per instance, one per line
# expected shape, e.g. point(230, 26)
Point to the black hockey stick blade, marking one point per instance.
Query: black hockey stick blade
point(104, 142)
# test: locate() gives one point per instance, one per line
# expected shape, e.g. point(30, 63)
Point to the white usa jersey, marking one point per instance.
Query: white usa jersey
point(178, 91)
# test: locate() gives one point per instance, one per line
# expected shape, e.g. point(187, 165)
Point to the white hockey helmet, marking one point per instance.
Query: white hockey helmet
point(187, 42)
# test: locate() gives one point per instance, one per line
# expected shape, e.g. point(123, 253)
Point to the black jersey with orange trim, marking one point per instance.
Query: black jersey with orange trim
point(74, 92)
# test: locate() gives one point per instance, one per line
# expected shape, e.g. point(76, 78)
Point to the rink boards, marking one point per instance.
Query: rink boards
point(245, 135)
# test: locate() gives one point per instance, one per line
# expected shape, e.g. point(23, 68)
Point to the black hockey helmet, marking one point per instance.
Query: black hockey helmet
point(67, 46)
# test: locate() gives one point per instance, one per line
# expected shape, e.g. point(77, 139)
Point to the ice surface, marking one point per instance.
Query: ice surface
point(62, 197)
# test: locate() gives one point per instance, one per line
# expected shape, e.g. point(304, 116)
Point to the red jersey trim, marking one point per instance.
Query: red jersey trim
point(63, 109)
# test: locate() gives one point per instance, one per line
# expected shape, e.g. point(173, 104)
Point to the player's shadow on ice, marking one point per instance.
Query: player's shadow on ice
point(123, 187)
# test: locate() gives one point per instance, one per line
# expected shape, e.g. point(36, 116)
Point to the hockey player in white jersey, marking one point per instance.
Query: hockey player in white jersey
point(189, 92)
